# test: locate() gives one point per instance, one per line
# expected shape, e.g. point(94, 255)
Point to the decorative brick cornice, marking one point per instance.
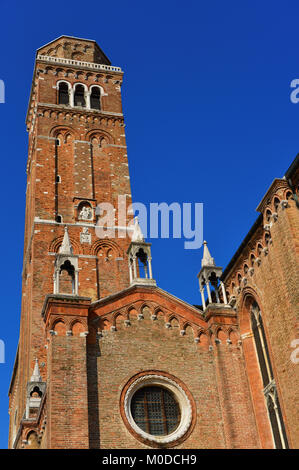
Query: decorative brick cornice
point(278, 183)
point(65, 110)
point(143, 289)
point(107, 313)
point(217, 311)
point(59, 304)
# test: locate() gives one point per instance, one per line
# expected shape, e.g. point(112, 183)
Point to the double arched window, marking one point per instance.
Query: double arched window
point(270, 391)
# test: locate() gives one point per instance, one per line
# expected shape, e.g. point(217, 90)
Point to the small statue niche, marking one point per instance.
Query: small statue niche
point(85, 212)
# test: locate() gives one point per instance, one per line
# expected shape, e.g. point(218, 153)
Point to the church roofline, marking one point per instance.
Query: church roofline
point(123, 292)
point(288, 174)
point(65, 36)
point(73, 37)
point(252, 230)
point(276, 183)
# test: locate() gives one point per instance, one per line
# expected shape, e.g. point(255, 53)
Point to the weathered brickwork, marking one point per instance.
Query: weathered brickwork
point(272, 280)
point(95, 333)
point(158, 343)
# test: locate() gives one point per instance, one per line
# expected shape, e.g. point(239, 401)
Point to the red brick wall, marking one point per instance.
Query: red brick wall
point(274, 286)
point(67, 393)
point(215, 377)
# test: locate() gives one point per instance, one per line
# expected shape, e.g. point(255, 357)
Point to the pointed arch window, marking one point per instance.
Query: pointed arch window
point(67, 278)
point(95, 98)
point(63, 93)
point(270, 391)
point(142, 264)
point(79, 96)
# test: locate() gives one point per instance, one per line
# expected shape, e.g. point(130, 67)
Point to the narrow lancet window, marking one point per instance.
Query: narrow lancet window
point(270, 391)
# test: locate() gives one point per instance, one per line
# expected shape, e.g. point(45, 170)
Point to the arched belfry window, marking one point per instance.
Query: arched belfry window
point(95, 98)
point(270, 391)
point(142, 263)
point(79, 96)
point(36, 393)
point(63, 93)
point(67, 278)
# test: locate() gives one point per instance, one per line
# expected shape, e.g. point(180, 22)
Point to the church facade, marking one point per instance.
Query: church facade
point(107, 359)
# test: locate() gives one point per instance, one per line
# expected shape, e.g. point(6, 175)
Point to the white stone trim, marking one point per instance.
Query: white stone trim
point(63, 81)
point(249, 334)
point(86, 96)
point(102, 91)
point(79, 63)
point(181, 397)
point(37, 220)
point(70, 91)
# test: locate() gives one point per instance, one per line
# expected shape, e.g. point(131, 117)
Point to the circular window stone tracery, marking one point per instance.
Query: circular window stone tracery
point(157, 410)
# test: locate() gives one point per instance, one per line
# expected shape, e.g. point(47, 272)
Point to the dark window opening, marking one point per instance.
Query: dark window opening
point(259, 350)
point(36, 393)
point(266, 346)
point(79, 99)
point(142, 266)
point(273, 405)
point(95, 98)
point(276, 203)
point(274, 423)
point(63, 93)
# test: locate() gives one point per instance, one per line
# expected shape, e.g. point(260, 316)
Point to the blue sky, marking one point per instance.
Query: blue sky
point(208, 116)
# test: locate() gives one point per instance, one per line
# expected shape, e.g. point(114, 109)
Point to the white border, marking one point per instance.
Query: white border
point(181, 397)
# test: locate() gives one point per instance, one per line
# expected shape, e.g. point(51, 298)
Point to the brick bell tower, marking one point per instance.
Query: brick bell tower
point(77, 159)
